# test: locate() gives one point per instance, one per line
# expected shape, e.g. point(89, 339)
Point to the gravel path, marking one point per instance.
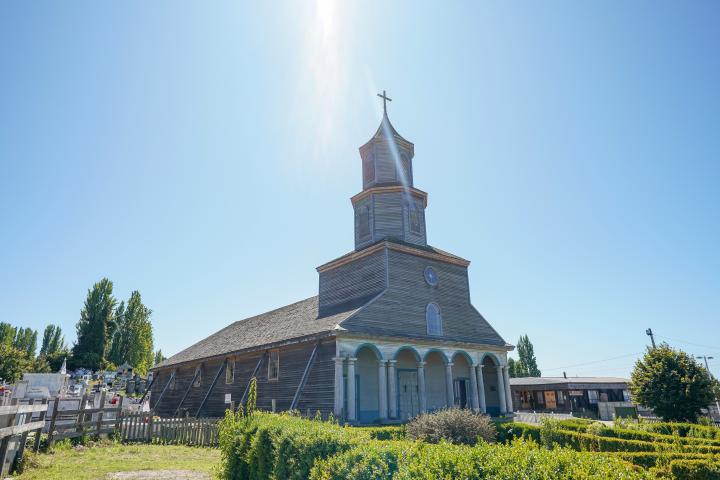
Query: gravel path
point(159, 475)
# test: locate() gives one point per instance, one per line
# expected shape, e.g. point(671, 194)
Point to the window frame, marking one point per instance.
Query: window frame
point(198, 377)
point(439, 319)
point(229, 367)
point(276, 352)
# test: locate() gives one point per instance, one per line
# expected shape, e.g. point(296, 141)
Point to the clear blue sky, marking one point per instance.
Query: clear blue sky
point(204, 153)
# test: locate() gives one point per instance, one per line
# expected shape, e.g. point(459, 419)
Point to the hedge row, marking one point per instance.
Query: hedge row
point(694, 470)
point(588, 442)
point(691, 430)
point(417, 460)
point(394, 432)
point(636, 434)
point(652, 459)
point(267, 446)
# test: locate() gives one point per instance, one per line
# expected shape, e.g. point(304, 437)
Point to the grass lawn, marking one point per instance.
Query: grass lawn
point(97, 461)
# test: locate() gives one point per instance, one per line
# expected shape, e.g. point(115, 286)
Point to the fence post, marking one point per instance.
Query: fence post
point(51, 431)
point(150, 427)
point(100, 414)
point(23, 438)
point(5, 442)
point(81, 415)
point(38, 432)
point(118, 416)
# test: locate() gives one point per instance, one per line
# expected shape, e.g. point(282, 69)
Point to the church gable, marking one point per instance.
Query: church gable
point(413, 307)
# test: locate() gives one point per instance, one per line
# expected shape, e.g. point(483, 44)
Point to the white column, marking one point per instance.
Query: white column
point(481, 389)
point(508, 390)
point(473, 388)
point(392, 389)
point(339, 387)
point(501, 389)
point(421, 386)
point(352, 410)
point(382, 390)
point(450, 389)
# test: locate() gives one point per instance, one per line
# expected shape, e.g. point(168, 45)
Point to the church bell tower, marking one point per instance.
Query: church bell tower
point(389, 206)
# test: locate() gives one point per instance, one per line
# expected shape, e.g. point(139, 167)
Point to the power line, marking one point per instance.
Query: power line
point(688, 343)
point(594, 361)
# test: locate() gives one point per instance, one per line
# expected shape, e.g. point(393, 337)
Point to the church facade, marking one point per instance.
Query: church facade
point(392, 332)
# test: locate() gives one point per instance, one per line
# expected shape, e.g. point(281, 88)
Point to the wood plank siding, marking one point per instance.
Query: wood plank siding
point(407, 296)
point(317, 394)
point(354, 283)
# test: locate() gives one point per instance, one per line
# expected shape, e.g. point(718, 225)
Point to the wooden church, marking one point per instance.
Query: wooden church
point(391, 333)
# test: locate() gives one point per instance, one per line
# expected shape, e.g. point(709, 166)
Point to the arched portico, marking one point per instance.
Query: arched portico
point(367, 396)
point(462, 372)
point(494, 388)
point(436, 383)
point(405, 404)
point(390, 381)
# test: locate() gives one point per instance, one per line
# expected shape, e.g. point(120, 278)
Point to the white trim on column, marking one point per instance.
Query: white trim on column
point(352, 408)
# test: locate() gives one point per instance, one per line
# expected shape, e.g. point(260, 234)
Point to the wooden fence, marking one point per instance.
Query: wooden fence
point(84, 421)
point(145, 427)
point(16, 423)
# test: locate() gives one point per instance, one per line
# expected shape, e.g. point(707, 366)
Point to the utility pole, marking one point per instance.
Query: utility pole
point(706, 358)
point(649, 332)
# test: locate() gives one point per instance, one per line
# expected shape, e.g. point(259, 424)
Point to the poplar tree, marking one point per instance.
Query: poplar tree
point(527, 365)
point(96, 325)
point(53, 341)
point(133, 338)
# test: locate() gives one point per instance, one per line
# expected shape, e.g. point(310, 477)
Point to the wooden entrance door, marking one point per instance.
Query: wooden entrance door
point(550, 401)
point(408, 401)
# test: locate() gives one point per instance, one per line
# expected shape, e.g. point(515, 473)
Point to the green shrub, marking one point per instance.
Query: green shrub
point(553, 433)
point(695, 470)
point(675, 428)
point(405, 461)
point(394, 432)
point(455, 425)
point(652, 459)
point(509, 431)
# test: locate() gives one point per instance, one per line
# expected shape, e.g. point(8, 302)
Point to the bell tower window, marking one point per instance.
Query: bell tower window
point(362, 222)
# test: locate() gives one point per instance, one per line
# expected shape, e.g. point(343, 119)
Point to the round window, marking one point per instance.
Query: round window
point(430, 276)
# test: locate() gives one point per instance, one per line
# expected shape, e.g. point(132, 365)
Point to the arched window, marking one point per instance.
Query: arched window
point(433, 319)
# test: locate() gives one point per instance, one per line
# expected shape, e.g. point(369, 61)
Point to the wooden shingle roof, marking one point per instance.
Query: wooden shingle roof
point(293, 321)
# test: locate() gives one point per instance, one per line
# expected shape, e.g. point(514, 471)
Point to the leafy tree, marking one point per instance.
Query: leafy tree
point(159, 357)
point(13, 362)
point(26, 340)
point(512, 367)
point(119, 346)
point(672, 383)
point(96, 325)
point(7, 334)
point(133, 342)
point(53, 341)
point(527, 365)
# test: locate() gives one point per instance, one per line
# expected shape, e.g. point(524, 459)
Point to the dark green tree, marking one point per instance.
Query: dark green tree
point(13, 362)
point(133, 342)
point(7, 333)
point(53, 341)
point(527, 364)
point(26, 340)
point(512, 367)
point(95, 327)
point(159, 357)
point(671, 383)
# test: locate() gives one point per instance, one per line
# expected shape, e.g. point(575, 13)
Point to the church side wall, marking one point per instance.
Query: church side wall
point(318, 393)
